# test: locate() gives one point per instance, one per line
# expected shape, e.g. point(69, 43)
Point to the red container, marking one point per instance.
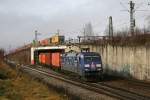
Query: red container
point(44, 42)
point(40, 59)
point(56, 60)
point(48, 58)
point(43, 59)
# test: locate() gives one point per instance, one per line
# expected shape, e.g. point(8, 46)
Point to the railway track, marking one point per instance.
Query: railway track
point(135, 90)
point(139, 83)
point(96, 87)
point(120, 91)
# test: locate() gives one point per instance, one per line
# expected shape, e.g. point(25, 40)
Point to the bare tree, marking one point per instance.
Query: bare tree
point(147, 27)
point(1, 54)
point(123, 32)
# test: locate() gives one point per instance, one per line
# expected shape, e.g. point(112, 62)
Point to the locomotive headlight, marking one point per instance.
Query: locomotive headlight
point(98, 65)
point(86, 69)
point(87, 65)
point(98, 69)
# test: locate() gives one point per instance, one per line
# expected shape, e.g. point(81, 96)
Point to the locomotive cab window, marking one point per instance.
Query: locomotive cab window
point(89, 59)
point(75, 59)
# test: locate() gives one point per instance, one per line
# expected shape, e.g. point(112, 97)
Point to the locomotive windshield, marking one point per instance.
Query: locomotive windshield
point(89, 59)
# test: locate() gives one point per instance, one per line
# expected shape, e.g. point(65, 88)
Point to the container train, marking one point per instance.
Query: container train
point(84, 64)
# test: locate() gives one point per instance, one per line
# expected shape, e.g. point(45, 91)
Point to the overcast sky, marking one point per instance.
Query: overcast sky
point(20, 18)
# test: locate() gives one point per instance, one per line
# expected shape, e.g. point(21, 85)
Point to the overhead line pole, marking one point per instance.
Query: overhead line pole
point(132, 19)
point(36, 37)
point(36, 45)
point(110, 27)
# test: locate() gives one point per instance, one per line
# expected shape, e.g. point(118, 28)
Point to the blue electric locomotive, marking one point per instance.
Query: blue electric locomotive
point(85, 64)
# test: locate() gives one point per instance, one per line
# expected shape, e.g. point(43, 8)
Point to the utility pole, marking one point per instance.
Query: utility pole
point(36, 57)
point(132, 19)
point(36, 38)
point(110, 27)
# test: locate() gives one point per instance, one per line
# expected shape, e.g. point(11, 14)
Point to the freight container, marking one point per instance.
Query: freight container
point(57, 39)
point(39, 58)
point(56, 60)
point(45, 42)
point(48, 58)
point(43, 58)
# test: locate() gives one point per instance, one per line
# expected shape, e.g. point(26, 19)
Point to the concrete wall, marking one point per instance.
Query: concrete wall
point(74, 48)
point(117, 60)
point(124, 60)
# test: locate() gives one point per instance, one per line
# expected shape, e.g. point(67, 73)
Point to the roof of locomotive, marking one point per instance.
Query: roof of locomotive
point(82, 53)
point(90, 53)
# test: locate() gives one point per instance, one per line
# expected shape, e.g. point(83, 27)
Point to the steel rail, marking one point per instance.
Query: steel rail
point(107, 90)
point(124, 92)
point(139, 83)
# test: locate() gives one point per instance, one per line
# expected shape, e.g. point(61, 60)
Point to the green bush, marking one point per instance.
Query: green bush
point(4, 85)
point(3, 74)
point(7, 90)
point(2, 90)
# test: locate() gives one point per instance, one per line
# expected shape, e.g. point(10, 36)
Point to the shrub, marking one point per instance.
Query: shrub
point(3, 75)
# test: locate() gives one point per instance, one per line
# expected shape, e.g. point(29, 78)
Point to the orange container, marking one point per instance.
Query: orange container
point(43, 59)
point(39, 58)
point(56, 60)
point(48, 58)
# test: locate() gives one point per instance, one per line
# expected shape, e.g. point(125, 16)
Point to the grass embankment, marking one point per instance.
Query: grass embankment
point(22, 87)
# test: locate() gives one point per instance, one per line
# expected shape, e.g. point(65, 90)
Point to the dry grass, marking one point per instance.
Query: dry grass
point(22, 87)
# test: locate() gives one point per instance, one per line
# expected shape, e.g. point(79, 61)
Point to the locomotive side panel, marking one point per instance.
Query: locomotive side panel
point(70, 63)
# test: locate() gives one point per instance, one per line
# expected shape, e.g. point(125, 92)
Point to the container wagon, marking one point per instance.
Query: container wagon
point(43, 58)
point(40, 58)
point(48, 59)
point(56, 60)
